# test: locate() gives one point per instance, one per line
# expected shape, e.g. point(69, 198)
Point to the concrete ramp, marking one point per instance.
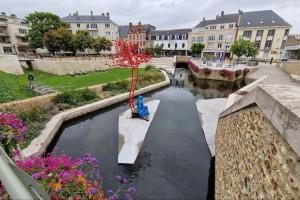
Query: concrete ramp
point(132, 133)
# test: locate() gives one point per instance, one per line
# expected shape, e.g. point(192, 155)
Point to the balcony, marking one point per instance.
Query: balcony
point(258, 38)
point(20, 35)
point(3, 24)
point(270, 37)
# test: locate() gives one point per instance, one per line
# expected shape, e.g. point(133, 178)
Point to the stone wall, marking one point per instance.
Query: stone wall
point(257, 151)
point(10, 64)
point(291, 67)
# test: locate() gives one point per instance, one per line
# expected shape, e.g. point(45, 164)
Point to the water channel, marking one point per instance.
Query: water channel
point(174, 162)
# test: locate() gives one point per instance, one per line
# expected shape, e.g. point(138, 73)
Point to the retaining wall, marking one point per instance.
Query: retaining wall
point(10, 64)
point(258, 146)
point(291, 67)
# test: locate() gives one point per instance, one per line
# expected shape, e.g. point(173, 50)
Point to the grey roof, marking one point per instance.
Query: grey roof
point(228, 18)
point(171, 32)
point(86, 18)
point(123, 31)
point(269, 18)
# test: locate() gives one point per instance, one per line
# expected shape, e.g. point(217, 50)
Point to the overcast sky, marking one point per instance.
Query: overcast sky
point(163, 14)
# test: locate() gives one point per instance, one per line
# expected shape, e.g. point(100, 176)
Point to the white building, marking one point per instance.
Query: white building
point(97, 25)
point(13, 32)
point(174, 42)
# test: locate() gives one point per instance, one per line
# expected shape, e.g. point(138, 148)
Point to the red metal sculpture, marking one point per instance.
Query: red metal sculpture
point(127, 56)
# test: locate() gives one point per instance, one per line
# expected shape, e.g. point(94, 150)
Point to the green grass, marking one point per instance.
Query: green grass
point(14, 87)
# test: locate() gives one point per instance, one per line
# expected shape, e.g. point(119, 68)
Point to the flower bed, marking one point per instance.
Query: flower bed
point(207, 71)
point(226, 74)
point(237, 73)
point(193, 66)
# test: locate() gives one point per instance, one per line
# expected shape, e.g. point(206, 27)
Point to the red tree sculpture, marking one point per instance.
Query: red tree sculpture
point(127, 56)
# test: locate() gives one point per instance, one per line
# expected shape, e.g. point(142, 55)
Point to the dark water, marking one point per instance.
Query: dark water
point(174, 161)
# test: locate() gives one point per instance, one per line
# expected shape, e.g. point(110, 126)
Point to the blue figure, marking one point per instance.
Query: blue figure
point(142, 109)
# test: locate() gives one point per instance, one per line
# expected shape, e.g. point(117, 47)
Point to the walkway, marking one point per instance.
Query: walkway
point(275, 75)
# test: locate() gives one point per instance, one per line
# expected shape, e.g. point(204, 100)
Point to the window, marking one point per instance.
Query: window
point(273, 21)
point(193, 39)
point(257, 44)
point(222, 27)
point(175, 45)
point(87, 25)
point(261, 22)
point(184, 37)
point(94, 34)
point(211, 38)
point(169, 45)
point(220, 45)
point(231, 25)
point(247, 34)
point(107, 33)
point(162, 45)
point(213, 27)
point(183, 45)
point(271, 33)
point(22, 31)
point(176, 37)
point(228, 38)
point(93, 25)
point(144, 43)
point(199, 39)
point(107, 25)
point(259, 33)
point(7, 49)
point(210, 45)
point(268, 44)
point(78, 25)
point(162, 37)
point(286, 33)
point(220, 37)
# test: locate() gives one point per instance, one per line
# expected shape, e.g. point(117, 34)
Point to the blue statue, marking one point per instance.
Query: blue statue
point(142, 109)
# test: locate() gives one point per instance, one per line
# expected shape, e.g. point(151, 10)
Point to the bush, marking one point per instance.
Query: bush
point(226, 73)
point(245, 72)
point(237, 73)
point(121, 86)
point(150, 68)
point(75, 97)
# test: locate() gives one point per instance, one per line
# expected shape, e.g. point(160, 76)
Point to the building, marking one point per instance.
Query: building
point(13, 34)
point(173, 42)
point(137, 34)
point(97, 25)
point(265, 28)
point(123, 32)
point(292, 48)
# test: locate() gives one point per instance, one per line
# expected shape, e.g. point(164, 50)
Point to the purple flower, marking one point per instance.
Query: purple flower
point(36, 176)
point(110, 191)
point(131, 189)
point(119, 178)
point(93, 191)
point(128, 197)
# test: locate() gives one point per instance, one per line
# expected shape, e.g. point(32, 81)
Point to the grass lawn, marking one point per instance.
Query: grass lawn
point(14, 87)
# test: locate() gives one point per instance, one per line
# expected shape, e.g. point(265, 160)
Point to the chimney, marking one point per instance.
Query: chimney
point(203, 19)
point(140, 23)
point(13, 16)
point(91, 13)
point(217, 16)
point(3, 14)
point(103, 14)
point(222, 13)
point(76, 13)
point(130, 24)
point(108, 15)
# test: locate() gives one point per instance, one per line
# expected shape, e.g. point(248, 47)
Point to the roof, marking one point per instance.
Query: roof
point(141, 27)
point(171, 32)
point(86, 18)
point(293, 40)
point(123, 31)
point(248, 19)
point(268, 17)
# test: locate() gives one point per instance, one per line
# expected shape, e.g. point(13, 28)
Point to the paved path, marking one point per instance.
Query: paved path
point(275, 75)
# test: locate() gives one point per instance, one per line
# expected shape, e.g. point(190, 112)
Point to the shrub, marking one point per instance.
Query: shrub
point(75, 97)
point(237, 73)
point(150, 68)
point(206, 71)
point(121, 86)
point(245, 72)
point(12, 131)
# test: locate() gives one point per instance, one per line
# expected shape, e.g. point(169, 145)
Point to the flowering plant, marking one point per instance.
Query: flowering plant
point(193, 66)
point(12, 131)
point(207, 71)
point(238, 73)
point(67, 178)
point(226, 73)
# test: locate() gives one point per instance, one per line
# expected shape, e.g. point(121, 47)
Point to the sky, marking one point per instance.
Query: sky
point(164, 14)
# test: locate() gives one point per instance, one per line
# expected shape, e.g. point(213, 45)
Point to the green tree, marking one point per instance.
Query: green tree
point(83, 40)
point(102, 44)
point(197, 48)
point(42, 22)
point(158, 50)
point(59, 39)
point(252, 50)
point(243, 47)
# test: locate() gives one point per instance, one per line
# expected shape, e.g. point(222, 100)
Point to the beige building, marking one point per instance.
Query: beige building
point(13, 34)
point(97, 25)
point(265, 28)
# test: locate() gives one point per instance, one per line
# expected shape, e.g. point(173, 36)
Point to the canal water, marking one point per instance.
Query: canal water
point(174, 162)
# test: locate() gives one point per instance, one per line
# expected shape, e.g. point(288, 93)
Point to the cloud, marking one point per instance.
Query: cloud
point(161, 13)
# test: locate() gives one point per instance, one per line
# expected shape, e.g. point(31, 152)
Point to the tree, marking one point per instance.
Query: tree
point(127, 56)
point(42, 22)
point(59, 39)
point(83, 40)
point(197, 48)
point(158, 50)
point(102, 44)
point(243, 47)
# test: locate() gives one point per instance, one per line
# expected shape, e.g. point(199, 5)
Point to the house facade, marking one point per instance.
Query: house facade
point(13, 34)
point(292, 48)
point(123, 32)
point(97, 25)
point(173, 42)
point(265, 28)
point(137, 34)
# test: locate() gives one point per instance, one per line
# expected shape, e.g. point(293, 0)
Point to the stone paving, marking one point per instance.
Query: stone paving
point(274, 73)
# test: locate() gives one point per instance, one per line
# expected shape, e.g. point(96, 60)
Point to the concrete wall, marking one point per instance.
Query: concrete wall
point(291, 67)
point(257, 146)
point(66, 66)
point(10, 64)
